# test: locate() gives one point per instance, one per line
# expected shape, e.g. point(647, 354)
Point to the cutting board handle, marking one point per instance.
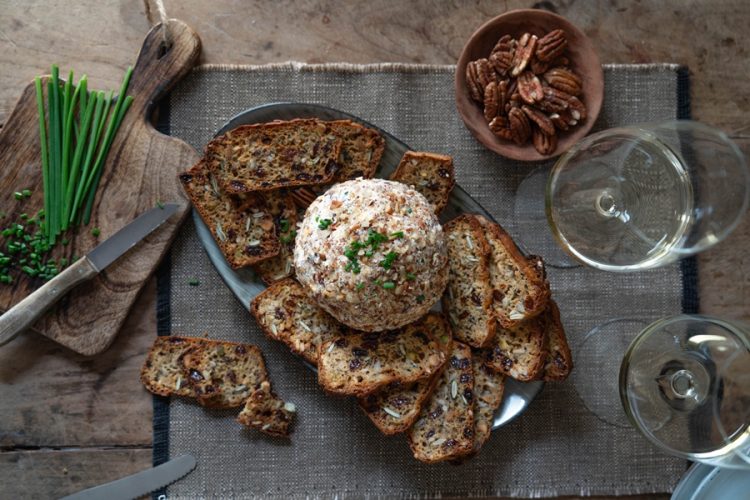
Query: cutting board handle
point(159, 68)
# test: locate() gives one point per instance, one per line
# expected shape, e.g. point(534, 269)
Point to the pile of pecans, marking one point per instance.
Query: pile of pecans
point(528, 89)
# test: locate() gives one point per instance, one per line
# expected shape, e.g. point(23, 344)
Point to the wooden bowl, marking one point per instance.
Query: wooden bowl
point(583, 60)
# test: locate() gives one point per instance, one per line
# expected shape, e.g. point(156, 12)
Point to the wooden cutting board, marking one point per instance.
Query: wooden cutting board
point(141, 171)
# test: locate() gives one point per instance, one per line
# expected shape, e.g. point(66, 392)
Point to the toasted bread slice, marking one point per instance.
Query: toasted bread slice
point(361, 363)
point(468, 297)
point(395, 408)
point(361, 150)
point(268, 413)
point(285, 216)
point(445, 427)
point(488, 394)
point(430, 174)
point(559, 361)
point(268, 156)
point(518, 292)
point(518, 352)
point(243, 229)
point(163, 372)
point(286, 313)
point(224, 374)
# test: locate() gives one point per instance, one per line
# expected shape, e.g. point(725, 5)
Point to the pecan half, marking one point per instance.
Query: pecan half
point(520, 128)
point(538, 67)
point(577, 109)
point(565, 80)
point(575, 106)
point(529, 87)
point(485, 73)
point(551, 45)
point(543, 143)
point(552, 103)
point(499, 127)
point(492, 101)
point(523, 53)
point(559, 122)
point(544, 123)
point(501, 57)
point(472, 81)
point(504, 44)
point(501, 61)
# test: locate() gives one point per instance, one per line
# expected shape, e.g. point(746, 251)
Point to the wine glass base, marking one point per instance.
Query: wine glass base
point(532, 229)
point(596, 378)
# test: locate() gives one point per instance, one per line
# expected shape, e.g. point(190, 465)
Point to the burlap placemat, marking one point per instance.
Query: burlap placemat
point(557, 447)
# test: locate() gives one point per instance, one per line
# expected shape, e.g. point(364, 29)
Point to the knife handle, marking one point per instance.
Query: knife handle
point(21, 316)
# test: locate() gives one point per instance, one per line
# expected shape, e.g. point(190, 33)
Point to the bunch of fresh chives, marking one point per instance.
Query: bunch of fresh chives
point(76, 135)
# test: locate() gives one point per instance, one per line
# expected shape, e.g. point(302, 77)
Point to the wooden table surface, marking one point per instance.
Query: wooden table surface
point(67, 422)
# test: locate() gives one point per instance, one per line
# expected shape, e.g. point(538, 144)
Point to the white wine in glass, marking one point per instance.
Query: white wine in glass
point(644, 196)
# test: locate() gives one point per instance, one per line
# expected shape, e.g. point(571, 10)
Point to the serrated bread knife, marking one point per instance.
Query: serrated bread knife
point(25, 313)
point(140, 483)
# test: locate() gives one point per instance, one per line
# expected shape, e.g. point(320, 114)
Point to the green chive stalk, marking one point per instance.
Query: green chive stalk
point(100, 166)
point(99, 100)
point(43, 144)
point(56, 134)
point(76, 163)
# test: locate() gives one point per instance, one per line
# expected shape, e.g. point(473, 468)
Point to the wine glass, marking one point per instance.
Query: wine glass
point(643, 196)
point(685, 385)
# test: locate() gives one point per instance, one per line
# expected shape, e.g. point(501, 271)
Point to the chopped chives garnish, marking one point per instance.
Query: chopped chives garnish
point(283, 225)
point(389, 285)
point(160, 205)
point(95, 232)
point(410, 277)
point(397, 234)
point(420, 298)
point(194, 282)
point(324, 223)
point(288, 238)
point(388, 261)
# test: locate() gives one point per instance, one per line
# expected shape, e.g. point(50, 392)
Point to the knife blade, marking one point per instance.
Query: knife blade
point(140, 483)
point(26, 312)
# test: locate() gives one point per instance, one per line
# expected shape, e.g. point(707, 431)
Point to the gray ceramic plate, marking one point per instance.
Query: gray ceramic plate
point(246, 285)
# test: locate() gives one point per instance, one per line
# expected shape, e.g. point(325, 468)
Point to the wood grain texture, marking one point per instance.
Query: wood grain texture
point(52, 396)
point(31, 307)
point(43, 474)
point(99, 38)
point(140, 171)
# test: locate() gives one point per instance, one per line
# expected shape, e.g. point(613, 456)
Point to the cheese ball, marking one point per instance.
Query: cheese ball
point(372, 253)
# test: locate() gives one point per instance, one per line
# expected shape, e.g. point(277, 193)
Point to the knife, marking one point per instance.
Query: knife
point(25, 313)
point(140, 483)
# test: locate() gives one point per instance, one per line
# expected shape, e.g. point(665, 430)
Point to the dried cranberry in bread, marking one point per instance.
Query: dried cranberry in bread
point(519, 352)
point(445, 428)
point(518, 291)
point(363, 362)
point(395, 408)
point(429, 173)
point(224, 374)
point(163, 372)
point(559, 361)
point(361, 150)
point(468, 297)
point(488, 394)
point(285, 216)
point(286, 313)
point(268, 156)
point(268, 413)
point(243, 229)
